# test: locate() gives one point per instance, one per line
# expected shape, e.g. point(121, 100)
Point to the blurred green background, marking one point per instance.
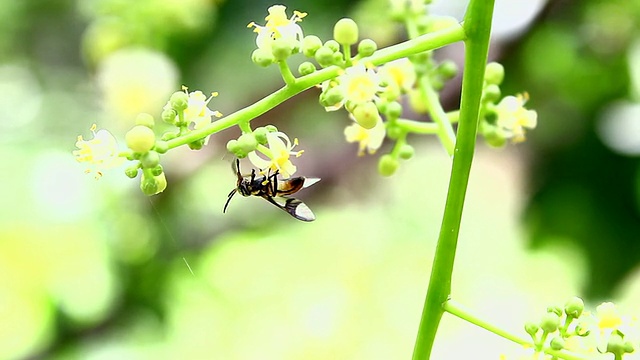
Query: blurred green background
point(96, 270)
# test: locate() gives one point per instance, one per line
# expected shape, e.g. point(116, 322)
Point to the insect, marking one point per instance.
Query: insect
point(275, 191)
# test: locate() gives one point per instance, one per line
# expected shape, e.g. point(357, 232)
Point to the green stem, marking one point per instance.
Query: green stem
point(287, 75)
point(346, 51)
point(458, 310)
point(477, 27)
point(418, 127)
point(425, 42)
point(439, 116)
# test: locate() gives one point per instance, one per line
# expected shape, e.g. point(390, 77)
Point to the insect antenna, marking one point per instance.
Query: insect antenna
point(233, 192)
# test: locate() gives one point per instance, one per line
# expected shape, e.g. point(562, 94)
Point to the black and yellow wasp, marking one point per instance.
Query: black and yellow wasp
point(275, 191)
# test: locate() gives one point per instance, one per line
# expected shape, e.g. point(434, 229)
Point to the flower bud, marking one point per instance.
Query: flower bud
point(161, 146)
point(196, 145)
point(531, 328)
point(491, 93)
point(132, 171)
point(233, 146)
point(393, 110)
point(311, 44)
point(406, 152)
point(448, 69)
point(169, 115)
point(149, 185)
point(366, 115)
point(332, 96)
point(574, 307)
point(306, 68)
point(150, 159)
point(262, 57)
point(157, 170)
point(140, 139)
point(332, 45)
point(281, 48)
point(145, 119)
point(616, 343)
point(324, 56)
point(169, 135)
point(557, 343)
point(494, 73)
point(345, 32)
point(247, 142)
point(260, 135)
point(387, 165)
point(367, 47)
point(555, 309)
point(179, 100)
point(550, 322)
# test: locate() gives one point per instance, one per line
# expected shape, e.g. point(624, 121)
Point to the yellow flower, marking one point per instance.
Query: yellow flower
point(279, 150)
point(608, 317)
point(278, 26)
point(197, 112)
point(370, 139)
point(513, 117)
point(100, 153)
point(359, 84)
point(399, 74)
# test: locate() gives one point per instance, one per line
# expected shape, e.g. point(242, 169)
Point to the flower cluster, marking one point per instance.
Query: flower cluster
point(508, 118)
point(584, 333)
point(187, 111)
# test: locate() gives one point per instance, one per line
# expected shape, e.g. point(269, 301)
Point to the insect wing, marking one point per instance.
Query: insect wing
point(291, 186)
point(293, 207)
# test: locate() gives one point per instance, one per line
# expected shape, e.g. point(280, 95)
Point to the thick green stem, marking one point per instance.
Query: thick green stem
point(477, 26)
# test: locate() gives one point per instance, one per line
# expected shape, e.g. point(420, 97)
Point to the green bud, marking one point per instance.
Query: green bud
point(324, 56)
point(345, 32)
point(247, 142)
point(149, 186)
point(491, 93)
point(616, 344)
point(394, 131)
point(260, 135)
point(387, 165)
point(366, 115)
point(169, 116)
point(233, 146)
point(494, 73)
point(281, 48)
point(132, 171)
point(557, 343)
point(161, 146)
point(169, 135)
point(338, 57)
point(262, 57)
point(550, 322)
point(153, 185)
point(145, 119)
point(311, 44)
point(156, 171)
point(179, 100)
point(574, 307)
point(306, 68)
point(494, 139)
point(555, 309)
point(393, 110)
point(140, 139)
point(367, 47)
point(150, 159)
point(196, 145)
point(531, 328)
point(332, 45)
point(406, 152)
point(333, 96)
point(448, 69)
point(628, 347)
